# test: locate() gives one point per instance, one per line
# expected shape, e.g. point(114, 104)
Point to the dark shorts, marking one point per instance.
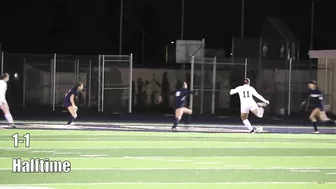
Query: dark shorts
point(66, 104)
point(321, 107)
point(177, 107)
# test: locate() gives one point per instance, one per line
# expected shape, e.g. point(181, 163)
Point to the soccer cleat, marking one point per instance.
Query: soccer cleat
point(11, 125)
point(252, 131)
point(262, 104)
point(174, 129)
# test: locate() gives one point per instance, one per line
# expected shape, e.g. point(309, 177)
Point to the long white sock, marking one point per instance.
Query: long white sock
point(247, 124)
point(9, 118)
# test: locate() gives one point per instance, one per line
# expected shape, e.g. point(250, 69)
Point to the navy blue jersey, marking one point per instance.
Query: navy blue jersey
point(316, 99)
point(67, 101)
point(180, 97)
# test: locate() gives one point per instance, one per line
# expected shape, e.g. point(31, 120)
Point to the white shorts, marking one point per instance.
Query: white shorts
point(247, 107)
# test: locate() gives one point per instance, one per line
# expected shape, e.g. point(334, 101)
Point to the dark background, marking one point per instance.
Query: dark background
point(92, 27)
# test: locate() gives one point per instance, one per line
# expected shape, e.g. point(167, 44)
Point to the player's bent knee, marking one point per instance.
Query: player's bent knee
point(243, 117)
point(312, 118)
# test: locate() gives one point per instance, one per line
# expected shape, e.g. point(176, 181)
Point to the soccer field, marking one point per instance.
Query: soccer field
point(148, 160)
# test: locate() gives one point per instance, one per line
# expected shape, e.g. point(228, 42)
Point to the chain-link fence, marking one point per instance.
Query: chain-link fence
point(115, 83)
point(45, 78)
point(212, 79)
point(281, 81)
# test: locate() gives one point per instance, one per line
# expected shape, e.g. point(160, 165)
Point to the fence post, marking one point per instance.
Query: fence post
point(99, 83)
point(90, 83)
point(54, 83)
point(202, 86)
point(103, 83)
point(289, 86)
point(130, 85)
point(245, 71)
point(192, 81)
point(213, 86)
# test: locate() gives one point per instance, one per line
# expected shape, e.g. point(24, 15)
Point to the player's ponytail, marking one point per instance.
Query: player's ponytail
point(3, 76)
point(179, 85)
point(77, 85)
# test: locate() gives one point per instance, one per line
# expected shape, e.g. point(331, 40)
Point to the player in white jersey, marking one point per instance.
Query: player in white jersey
point(4, 78)
point(247, 103)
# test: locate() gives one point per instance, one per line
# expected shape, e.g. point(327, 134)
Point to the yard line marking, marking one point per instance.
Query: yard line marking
point(178, 168)
point(163, 147)
point(94, 155)
point(330, 173)
point(210, 163)
point(175, 160)
point(24, 187)
point(170, 183)
point(191, 157)
point(306, 171)
point(219, 163)
point(181, 141)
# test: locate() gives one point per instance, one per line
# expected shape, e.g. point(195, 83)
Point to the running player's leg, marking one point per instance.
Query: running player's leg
point(73, 114)
point(323, 115)
point(187, 112)
point(314, 114)
point(178, 116)
point(244, 115)
point(5, 109)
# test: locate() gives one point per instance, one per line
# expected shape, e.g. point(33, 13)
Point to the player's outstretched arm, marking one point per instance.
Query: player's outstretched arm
point(258, 96)
point(233, 91)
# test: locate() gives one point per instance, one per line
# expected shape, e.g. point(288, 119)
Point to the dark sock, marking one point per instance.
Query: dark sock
point(315, 126)
point(176, 122)
point(71, 119)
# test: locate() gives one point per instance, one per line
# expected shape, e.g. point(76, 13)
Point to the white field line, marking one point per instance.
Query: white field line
point(23, 187)
point(41, 123)
point(163, 147)
point(170, 183)
point(330, 173)
point(178, 168)
point(192, 157)
point(214, 163)
point(306, 171)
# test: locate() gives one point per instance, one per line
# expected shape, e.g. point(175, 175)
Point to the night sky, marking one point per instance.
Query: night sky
point(92, 27)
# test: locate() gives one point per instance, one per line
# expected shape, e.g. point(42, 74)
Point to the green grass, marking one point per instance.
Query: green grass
point(139, 160)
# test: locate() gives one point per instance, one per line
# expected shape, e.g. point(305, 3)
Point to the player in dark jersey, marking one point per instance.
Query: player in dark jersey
point(69, 101)
point(180, 102)
point(316, 100)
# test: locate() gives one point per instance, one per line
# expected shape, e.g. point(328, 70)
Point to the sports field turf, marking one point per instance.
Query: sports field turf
point(148, 160)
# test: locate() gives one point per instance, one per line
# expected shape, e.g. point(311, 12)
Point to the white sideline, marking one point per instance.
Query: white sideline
point(168, 183)
point(175, 157)
point(177, 168)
